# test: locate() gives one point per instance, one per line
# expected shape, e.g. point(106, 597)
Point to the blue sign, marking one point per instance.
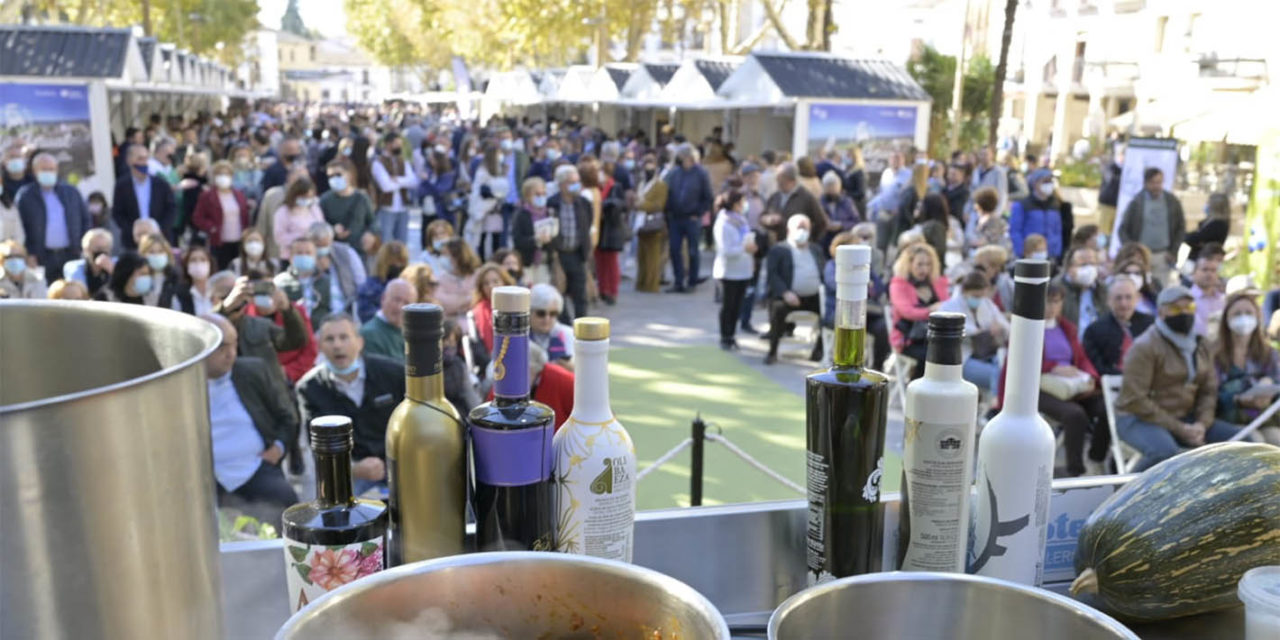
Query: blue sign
point(30, 104)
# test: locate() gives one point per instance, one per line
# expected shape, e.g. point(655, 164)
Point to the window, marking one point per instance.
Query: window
point(1077, 69)
point(1162, 23)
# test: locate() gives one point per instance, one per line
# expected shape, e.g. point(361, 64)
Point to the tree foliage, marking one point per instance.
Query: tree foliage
point(936, 74)
point(196, 25)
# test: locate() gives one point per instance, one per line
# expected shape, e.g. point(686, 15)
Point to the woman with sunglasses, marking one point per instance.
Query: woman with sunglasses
point(545, 330)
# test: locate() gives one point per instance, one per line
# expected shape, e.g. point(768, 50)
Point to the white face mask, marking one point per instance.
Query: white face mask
point(1039, 255)
point(798, 236)
point(1045, 189)
point(198, 270)
point(1243, 325)
point(254, 249)
point(222, 181)
point(1086, 275)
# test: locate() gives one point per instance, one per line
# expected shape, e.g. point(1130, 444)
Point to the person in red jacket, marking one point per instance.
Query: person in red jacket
point(296, 362)
point(1085, 413)
point(917, 289)
point(487, 277)
point(222, 213)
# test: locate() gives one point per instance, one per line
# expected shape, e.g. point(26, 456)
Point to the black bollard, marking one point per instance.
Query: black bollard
point(695, 474)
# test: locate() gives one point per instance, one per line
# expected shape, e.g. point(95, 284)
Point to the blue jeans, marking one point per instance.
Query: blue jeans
point(1157, 443)
point(685, 233)
point(360, 485)
point(393, 225)
point(984, 373)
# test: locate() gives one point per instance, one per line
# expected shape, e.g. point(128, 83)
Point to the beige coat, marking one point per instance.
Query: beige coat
point(1155, 386)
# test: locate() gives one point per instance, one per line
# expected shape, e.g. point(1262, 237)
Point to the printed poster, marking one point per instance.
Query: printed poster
point(53, 118)
point(878, 129)
point(1139, 154)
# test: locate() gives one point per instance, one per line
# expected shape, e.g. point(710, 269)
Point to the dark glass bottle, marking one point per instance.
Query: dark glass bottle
point(511, 442)
point(337, 537)
point(845, 412)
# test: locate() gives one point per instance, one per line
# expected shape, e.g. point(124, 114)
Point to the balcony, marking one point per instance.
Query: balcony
point(1242, 68)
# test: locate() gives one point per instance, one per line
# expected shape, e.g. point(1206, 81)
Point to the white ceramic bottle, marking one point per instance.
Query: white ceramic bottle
point(937, 465)
point(1016, 449)
point(595, 458)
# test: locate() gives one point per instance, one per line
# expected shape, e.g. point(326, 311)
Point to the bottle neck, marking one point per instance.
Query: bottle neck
point(510, 359)
point(1022, 379)
point(333, 479)
point(591, 381)
point(423, 380)
point(850, 334)
point(943, 372)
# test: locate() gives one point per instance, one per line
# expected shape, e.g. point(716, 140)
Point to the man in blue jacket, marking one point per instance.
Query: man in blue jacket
point(688, 197)
point(54, 216)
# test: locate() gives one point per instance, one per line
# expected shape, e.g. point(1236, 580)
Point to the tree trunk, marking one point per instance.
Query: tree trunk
point(816, 24)
point(776, 20)
point(1002, 67)
point(146, 18)
point(828, 23)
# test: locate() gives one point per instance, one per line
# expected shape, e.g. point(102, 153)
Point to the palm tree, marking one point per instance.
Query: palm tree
point(997, 92)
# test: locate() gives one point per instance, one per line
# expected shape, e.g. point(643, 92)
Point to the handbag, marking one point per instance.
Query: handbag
point(653, 223)
point(983, 345)
point(1066, 387)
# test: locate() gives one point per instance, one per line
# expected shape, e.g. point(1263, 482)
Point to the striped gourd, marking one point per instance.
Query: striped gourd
point(1175, 541)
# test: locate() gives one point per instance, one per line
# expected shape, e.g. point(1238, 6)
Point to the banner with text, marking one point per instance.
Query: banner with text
point(52, 118)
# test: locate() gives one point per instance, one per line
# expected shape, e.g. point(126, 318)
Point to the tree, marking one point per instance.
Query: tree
point(196, 25)
point(935, 73)
point(1002, 68)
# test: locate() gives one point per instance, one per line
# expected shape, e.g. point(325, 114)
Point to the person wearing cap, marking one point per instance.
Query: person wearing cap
point(1039, 213)
point(249, 425)
point(1248, 366)
point(361, 386)
point(1170, 390)
point(1154, 218)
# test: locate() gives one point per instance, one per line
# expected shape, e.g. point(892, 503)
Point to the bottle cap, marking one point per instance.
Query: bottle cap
point(591, 328)
point(946, 332)
point(1030, 288)
point(946, 324)
point(331, 434)
point(510, 300)
point(423, 321)
point(853, 271)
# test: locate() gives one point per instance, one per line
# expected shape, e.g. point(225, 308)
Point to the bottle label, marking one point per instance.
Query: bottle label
point(511, 366)
point(935, 462)
point(513, 457)
point(1010, 520)
point(313, 570)
point(596, 470)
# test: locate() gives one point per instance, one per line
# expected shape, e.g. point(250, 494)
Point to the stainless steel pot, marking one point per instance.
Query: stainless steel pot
point(937, 606)
point(520, 595)
point(107, 515)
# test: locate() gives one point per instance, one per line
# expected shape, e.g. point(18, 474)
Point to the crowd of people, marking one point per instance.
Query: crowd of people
point(288, 226)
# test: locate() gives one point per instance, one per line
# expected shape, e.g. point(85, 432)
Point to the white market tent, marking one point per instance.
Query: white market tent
point(816, 100)
point(509, 88)
point(647, 81)
point(698, 80)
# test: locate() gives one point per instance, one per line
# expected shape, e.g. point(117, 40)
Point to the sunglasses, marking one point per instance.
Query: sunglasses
point(545, 313)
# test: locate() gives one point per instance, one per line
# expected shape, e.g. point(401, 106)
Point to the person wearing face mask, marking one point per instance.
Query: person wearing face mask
point(456, 277)
point(794, 279)
point(288, 157)
point(299, 211)
point(1248, 366)
point(734, 263)
point(167, 290)
point(1086, 294)
point(53, 215)
point(197, 266)
point(985, 331)
point(393, 183)
point(10, 221)
point(304, 283)
point(572, 243)
point(130, 280)
point(544, 165)
point(253, 257)
point(100, 213)
point(532, 229)
point(341, 266)
point(1110, 337)
point(140, 195)
point(1039, 213)
point(222, 214)
point(390, 260)
point(1170, 391)
point(483, 229)
point(917, 289)
point(16, 280)
point(246, 176)
point(93, 269)
point(347, 208)
point(362, 386)
point(15, 171)
point(439, 185)
point(437, 234)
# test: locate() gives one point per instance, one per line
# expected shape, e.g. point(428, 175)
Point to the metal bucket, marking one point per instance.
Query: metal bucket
point(511, 595)
point(107, 515)
point(937, 606)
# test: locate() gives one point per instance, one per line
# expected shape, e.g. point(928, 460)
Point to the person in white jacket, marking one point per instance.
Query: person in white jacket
point(483, 230)
point(986, 331)
point(734, 263)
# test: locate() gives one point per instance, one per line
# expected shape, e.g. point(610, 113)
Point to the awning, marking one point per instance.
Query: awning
point(1245, 121)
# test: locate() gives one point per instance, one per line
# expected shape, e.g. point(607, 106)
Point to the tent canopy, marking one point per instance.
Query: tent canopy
point(777, 75)
point(70, 52)
point(1245, 121)
point(698, 80)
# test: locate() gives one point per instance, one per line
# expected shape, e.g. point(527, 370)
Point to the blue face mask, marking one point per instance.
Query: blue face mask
point(575, 187)
point(158, 261)
point(553, 155)
point(337, 183)
point(304, 263)
point(15, 266)
point(438, 244)
point(16, 165)
point(629, 164)
point(323, 251)
point(540, 201)
point(346, 151)
point(47, 178)
point(142, 284)
point(344, 371)
point(973, 302)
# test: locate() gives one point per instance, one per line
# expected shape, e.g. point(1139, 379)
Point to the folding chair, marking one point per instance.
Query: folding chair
point(899, 368)
point(1125, 456)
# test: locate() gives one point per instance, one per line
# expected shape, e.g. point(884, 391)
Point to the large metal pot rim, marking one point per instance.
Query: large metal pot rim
point(653, 578)
point(153, 316)
point(800, 599)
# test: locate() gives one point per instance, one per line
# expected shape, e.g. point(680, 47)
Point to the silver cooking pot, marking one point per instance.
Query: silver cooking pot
point(937, 606)
point(511, 595)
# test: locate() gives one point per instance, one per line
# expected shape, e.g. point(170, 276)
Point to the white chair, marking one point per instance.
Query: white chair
point(899, 367)
point(809, 319)
point(1125, 456)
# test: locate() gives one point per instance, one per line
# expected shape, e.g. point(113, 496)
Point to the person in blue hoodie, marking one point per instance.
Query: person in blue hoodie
point(1041, 213)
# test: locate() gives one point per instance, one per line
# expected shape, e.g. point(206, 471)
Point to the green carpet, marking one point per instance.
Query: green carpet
point(656, 392)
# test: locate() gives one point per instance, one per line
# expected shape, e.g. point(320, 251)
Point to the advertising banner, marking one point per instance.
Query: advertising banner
point(878, 129)
point(1140, 153)
point(52, 118)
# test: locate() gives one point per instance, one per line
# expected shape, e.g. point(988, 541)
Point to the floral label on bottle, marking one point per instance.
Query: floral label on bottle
point(595, 471)
point(313, 570)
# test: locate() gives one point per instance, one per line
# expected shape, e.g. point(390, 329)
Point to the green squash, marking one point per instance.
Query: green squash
point(1174, 541)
